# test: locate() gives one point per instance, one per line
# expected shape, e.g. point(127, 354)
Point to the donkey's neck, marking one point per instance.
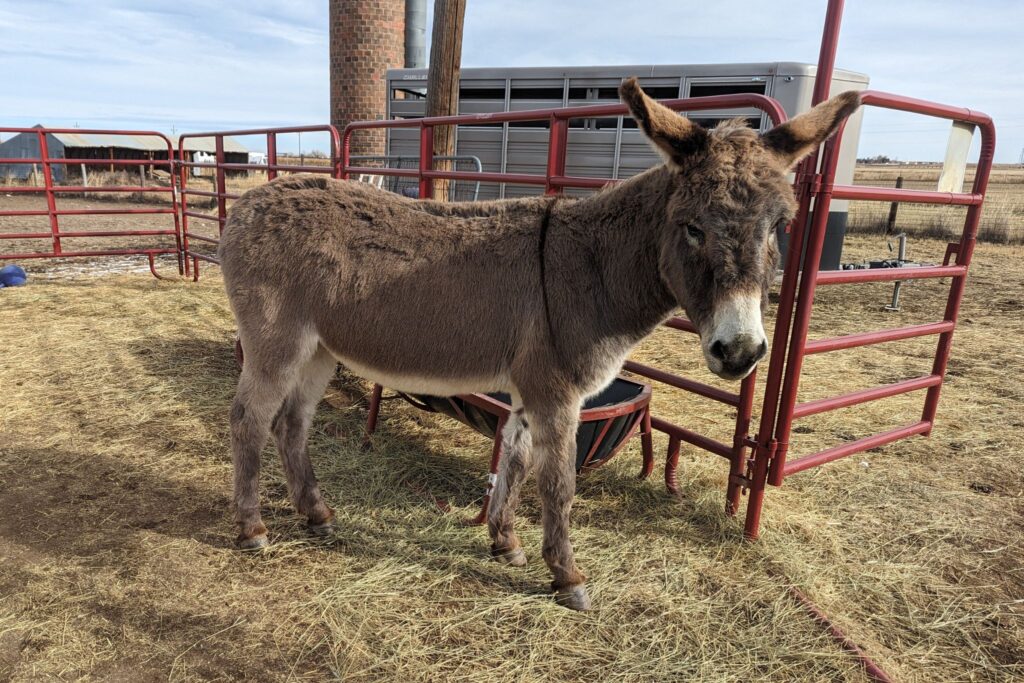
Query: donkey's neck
point(611, 240)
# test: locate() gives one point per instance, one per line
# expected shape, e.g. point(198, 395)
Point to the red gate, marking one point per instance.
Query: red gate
point(52, 190)
point(780, 407)
point(220, 193)
point(816, 183)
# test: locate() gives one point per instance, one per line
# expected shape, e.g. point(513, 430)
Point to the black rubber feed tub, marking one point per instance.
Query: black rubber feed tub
point(606, 419)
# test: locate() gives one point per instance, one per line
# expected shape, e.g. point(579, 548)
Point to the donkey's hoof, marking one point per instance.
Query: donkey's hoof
point(253, 542)
point(322, 529)
point(513, 558)
point(574, 597)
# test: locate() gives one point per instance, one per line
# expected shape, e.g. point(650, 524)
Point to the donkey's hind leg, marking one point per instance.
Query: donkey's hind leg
point(291, 431)
point(514, 467)
point(267, 378)
point(554, 443)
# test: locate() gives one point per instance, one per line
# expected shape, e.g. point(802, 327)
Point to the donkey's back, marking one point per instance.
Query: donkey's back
point(378, 280)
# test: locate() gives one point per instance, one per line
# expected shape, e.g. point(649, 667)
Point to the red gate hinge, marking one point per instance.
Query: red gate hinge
point(768, 448)
point(810, 181)
point(765, 450)
point(745, 441)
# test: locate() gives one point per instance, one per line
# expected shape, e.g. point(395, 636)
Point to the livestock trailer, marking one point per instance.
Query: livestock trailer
point(609, 147)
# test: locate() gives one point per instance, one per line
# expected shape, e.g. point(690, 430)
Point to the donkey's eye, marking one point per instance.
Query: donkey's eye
point(695, 234)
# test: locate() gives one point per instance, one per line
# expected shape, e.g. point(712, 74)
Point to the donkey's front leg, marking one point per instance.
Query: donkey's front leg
point(512, 470)
point(554, 441)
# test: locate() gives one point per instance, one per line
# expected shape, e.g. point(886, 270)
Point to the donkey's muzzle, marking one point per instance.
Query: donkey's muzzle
point(738, 356)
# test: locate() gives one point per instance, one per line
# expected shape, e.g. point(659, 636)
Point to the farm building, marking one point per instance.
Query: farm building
point(100, 146)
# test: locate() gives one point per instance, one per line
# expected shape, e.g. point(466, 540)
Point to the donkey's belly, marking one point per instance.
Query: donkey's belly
point(425, 383)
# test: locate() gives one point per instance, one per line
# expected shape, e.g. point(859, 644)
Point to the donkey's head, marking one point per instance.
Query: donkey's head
point(727, 196)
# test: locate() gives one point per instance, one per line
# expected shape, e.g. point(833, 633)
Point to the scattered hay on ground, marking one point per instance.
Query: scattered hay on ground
point(116, 537)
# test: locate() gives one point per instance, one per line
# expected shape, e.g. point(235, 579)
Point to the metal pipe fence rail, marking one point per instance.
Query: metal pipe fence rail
point(456, 192)
point(51, 190)
point(220, 192)
point(554, 178)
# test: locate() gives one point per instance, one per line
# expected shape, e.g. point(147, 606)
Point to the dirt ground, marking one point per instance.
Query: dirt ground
point(116, 557)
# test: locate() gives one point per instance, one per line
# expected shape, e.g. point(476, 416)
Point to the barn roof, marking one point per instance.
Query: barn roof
point(207, 144)
point(144, 142)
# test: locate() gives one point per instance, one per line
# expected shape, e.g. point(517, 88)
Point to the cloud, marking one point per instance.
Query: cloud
point(187, 65)
point(194, 64)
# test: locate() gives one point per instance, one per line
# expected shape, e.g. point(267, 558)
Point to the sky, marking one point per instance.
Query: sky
point(188, 65)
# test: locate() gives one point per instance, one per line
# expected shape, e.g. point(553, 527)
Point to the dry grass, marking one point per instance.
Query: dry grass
point(116, 537)
point(1002, 218)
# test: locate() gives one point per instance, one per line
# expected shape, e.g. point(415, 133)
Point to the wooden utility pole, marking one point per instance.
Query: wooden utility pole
point(443, 79)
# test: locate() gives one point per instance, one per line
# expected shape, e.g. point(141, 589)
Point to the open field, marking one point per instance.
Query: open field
point(1002, 218)
point(116, 538)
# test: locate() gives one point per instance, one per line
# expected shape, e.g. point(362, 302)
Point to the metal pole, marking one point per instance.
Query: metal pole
point(965, 249)
point(790, 297)
point(271, 156)
point(557, 139)
point(426, 161)
point(221, 184)
point(415, 34)
point(827, 54)
point(51, 204)
point(890, 224)
point(901, 256)
point(805, 304)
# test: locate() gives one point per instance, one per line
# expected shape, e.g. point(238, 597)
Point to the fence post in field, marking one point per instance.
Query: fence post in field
point(901, 256)
point(890, 225)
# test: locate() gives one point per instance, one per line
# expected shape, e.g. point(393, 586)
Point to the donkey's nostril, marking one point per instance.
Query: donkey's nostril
point(718, 350)
point(762, 350)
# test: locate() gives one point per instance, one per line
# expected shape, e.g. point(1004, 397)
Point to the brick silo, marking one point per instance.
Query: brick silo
point(367, 38)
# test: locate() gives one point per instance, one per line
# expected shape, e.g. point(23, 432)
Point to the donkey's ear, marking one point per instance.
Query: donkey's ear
point(797, 138)
point(674, 136)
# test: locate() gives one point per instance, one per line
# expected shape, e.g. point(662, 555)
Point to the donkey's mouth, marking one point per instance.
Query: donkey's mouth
point(732, 364)
point(733, 373)
point(736, 341)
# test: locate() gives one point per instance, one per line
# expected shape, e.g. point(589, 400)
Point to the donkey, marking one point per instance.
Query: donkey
point(540, 297)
